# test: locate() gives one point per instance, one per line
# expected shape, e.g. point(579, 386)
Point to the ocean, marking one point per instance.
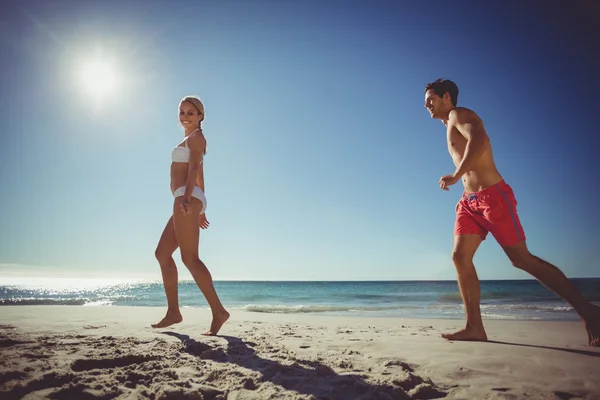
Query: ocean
point(500, 299)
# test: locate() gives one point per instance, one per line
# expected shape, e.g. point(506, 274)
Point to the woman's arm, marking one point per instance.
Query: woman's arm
point(200, 177)
point(196, 145)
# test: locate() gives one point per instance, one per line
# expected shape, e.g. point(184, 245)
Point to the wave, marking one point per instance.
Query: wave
point(308, 308)
point(43, 302)
point(281, 309)
point(506, 297)
point(504, 309)
point(531, 307)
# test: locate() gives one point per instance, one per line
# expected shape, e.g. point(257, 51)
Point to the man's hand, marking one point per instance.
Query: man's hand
point(448, 180)
point(204, 222)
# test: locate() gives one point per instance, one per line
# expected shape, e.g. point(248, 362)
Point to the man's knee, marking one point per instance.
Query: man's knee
point(520, 257)
point(462, 259)
point(521, 260)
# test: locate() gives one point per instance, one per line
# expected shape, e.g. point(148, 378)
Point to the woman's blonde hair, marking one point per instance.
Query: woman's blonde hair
point(199, 106)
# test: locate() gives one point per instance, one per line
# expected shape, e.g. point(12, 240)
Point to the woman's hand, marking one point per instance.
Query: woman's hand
point(204, 222)
point(184, 205)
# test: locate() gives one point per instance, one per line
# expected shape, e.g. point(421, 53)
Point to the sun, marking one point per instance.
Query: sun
point(98, 77)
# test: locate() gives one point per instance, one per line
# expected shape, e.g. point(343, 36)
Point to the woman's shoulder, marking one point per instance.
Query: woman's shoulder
point(196, 139)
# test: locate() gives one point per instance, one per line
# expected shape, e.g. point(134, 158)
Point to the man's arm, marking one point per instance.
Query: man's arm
point(471, 127)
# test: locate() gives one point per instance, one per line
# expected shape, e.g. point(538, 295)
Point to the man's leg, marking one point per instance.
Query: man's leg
point(464, 250)
point(555, 280)
point(506, 227)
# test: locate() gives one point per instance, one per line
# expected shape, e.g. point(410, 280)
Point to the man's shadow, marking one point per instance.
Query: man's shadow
point(574, 351)
point(304, 376)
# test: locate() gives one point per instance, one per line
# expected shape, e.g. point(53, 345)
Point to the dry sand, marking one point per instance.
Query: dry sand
point(64, 352)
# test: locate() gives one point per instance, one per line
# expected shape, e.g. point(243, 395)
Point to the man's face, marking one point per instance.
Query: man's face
point(434, 104)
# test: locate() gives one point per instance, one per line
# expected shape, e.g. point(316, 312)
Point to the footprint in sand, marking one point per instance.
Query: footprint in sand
point(10, 375)
point(9, 343)
point(35, 356)
point(47, 381)
point(566, 396)
point(398, 363)
point(86, 365)
point(94, 326)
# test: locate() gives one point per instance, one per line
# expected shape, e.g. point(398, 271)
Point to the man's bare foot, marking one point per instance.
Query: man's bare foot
point(592, 325)
point(168, 320)
point(217, 323)
point(470, 333)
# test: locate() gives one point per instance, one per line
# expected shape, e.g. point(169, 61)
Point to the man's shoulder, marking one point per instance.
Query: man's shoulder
point(460, 111)
point(462, 115)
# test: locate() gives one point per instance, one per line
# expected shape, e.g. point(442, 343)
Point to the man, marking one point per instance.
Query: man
point(487, 205)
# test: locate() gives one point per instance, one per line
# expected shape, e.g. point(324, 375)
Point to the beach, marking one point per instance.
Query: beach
point(79, 352)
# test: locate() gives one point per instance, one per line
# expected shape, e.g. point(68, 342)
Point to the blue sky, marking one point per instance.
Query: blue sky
point(322, 163)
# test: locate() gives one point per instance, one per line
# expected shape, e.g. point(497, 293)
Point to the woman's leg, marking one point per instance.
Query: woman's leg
point(164, 254)
point(187, 231)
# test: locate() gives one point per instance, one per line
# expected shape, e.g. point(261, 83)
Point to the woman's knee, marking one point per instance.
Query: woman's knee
point(163, 256)
point(189, 258)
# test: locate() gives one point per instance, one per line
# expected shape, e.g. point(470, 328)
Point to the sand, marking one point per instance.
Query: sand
point(75, 352)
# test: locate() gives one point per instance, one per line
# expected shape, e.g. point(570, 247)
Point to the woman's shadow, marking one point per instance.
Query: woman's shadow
point(308, 377)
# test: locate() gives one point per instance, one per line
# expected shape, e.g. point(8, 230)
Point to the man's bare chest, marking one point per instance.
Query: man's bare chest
point(456, 142)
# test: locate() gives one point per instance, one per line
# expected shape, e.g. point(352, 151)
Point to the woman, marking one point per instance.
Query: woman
point(183, 228)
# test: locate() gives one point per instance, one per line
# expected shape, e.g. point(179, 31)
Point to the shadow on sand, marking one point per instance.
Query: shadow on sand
point(311, 377)
point(574, 351)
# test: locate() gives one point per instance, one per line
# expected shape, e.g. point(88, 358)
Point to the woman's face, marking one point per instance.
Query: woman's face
point(189, 116)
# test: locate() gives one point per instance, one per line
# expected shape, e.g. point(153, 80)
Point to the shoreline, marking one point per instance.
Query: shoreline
point(112, 352)
point(516, 301)
point(572, 317)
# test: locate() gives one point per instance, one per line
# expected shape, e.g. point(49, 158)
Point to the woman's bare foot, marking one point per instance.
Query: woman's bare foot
point(217, 323)
point(592, 325)
point(168, 320)
point(470, 333)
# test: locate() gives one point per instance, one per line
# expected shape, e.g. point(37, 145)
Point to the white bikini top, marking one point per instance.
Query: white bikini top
point(182, 154)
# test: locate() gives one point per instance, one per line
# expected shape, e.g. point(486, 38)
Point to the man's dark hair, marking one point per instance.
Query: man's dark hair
point(443, 86)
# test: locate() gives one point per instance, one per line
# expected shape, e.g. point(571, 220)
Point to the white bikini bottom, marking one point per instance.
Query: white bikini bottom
point(197, 193)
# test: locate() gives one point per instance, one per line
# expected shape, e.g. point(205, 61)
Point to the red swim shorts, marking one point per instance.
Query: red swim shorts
point(493, 209)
